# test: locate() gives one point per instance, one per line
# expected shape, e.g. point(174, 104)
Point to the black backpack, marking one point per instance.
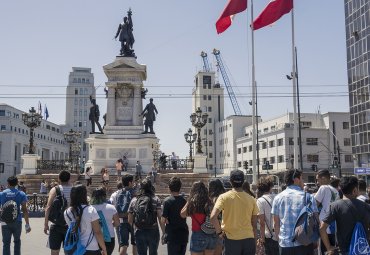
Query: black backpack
point(9, 211)
point(58, 207)
point(145, 214)
point(123, 202)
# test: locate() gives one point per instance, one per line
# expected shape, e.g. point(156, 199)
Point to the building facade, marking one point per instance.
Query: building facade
point(357, 21)
point(209, 97)
point(80, 88)
point(14, 141)
point(325, 144)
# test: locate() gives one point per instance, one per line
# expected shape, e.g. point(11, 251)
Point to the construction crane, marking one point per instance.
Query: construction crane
point(225, 77)
point(206, 67)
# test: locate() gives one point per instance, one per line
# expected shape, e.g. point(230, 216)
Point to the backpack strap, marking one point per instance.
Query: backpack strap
point(264, 215)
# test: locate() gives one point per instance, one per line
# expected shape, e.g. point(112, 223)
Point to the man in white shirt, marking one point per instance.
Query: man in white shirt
point(362, 191)
point(324, 197)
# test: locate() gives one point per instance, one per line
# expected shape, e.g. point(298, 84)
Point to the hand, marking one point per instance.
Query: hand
point(104, 252)
point(46, 229)
point(221, 235)
point(331, 251)
point(28, 228)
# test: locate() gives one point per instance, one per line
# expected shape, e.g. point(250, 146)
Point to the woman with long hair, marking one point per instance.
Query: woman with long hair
point(216, 188)
point(87, 220)
point(109, 212)
point(198, 206)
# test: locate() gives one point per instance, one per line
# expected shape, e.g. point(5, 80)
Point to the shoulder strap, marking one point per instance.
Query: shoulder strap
point(264, 215)
point(57, 190)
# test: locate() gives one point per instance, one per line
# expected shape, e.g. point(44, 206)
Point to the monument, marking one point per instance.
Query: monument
point(123, 133)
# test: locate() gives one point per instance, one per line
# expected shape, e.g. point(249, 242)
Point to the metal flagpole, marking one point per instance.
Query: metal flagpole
point(254, 117)
point(294, 76)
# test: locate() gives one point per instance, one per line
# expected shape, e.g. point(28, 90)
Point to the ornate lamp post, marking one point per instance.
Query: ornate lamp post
point(31, 120)
point(71, 138)
point(190, 139)
point(199, 120)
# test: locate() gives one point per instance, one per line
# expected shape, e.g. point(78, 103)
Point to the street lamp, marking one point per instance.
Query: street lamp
point(71, 138)
point(199, 120)
point(31, 120)
point(190, 139)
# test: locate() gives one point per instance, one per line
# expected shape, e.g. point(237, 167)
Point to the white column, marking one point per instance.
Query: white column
point(111, 107)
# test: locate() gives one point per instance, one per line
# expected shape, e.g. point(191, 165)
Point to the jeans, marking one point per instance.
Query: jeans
point(147, 239)
point(240, 247)
point(8, 230)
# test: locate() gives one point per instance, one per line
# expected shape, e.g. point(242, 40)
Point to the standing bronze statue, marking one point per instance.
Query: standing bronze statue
point(94, 116)
point(149, 113)
point(126, 37)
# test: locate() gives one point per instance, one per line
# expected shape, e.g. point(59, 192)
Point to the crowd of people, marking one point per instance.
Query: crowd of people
point(234, 222)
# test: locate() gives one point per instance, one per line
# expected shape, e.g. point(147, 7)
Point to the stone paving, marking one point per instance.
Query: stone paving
point(34, 243)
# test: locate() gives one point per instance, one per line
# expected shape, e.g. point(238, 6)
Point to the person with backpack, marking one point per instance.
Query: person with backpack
point(264, 203)
point(203, 238)
point(13, 202)
point(84, 231)
point(325, 196)
point(145, 213)
point(121, 199)
point(239, 218)
point(286, 209)
point(108, 217)
point(176, 230)
point(350, 215)
point(58, 202)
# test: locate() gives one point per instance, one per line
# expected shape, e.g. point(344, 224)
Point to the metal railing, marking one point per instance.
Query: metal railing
point(36, 204)
point(53, 166)
point(175, 165)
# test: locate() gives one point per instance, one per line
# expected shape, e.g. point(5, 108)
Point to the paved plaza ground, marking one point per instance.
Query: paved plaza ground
point(34, 243)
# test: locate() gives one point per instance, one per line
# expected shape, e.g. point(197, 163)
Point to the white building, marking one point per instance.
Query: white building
point(80, 87)
point(209, 96)
point(14, 141)
point(321, 135)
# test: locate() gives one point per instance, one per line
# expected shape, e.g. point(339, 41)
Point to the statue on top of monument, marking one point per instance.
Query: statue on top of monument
point(126, 37)
point(94, 116)
point(149, 113)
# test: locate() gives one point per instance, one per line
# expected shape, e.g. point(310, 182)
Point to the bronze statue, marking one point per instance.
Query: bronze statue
point(94, 116)
point(149, 113)
point(126, 37)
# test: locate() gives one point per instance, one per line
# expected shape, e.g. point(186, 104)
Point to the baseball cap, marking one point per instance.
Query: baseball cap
point(237, 176)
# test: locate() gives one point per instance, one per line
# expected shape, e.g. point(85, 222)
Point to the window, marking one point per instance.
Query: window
point(205, 131)
point(205, 143)
point(280, 142)
point(48, 127)
point(2, 168)
point(281, 159)
point(15, 152)
point(311, 141)
point(345, 125)
point(76, 101)
point(312, 158)
point(209, 97)
point(85, 102)
point(209, 109)
point(3, 128)
point(209, 120)
point(81, 102)
point(210, 155)
point(264, 145)
point(2, 112)
point(348, 158)
point(210, 132)
point(85, 90)
point(250, 148)
point(265, 130)
point(271, 144)
point(81, 91)
point(209, 86)
point(306, 123)
point(347, 141)
point(239, 164)
point(244, 149)
point(291, 141)
point(264, 160)
point(80, 124)
point(75, 113)
point(204, 97)
point(239, 150)
point(272, 160)
point(207, 80)
point(209, 143)
point(272, 128)
point(76, 91)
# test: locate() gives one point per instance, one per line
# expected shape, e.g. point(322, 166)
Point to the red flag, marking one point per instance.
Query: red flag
point(233, 7)
point(273, 11)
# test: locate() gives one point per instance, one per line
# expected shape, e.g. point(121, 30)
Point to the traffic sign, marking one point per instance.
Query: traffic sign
point(362, 170)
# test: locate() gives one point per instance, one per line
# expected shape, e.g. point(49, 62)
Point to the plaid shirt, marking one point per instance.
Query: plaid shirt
point(288, 205)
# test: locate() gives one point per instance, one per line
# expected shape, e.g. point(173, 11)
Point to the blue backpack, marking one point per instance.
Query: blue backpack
point(306, 228)
point(124, 198)
point(104, 227)
point(72, 241)
point(359, 244)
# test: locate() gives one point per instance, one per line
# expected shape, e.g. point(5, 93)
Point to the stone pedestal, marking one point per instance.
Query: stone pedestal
point(29, 163)
point(123, 133)
point(200, 164)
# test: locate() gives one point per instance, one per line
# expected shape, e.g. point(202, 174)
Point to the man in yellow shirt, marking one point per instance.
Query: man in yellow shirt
point(239, 218)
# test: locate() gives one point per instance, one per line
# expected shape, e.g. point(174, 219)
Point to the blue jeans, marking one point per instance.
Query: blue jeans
point(147, 239)
point(199, 241)
point(8, 230)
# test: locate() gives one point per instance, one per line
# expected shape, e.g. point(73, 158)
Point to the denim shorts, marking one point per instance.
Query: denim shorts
point(200, 241)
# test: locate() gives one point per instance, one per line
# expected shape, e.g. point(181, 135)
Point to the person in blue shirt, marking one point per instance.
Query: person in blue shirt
point(14, 229)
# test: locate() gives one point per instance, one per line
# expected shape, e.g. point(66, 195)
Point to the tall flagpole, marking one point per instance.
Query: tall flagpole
point(295, 130)
point(254, 117)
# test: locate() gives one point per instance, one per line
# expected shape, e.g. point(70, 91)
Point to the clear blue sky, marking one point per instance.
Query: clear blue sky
point(42, 40)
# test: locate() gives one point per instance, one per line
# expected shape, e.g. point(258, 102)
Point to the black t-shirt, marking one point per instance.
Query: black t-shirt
point(346, 213)
point(177, 229)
